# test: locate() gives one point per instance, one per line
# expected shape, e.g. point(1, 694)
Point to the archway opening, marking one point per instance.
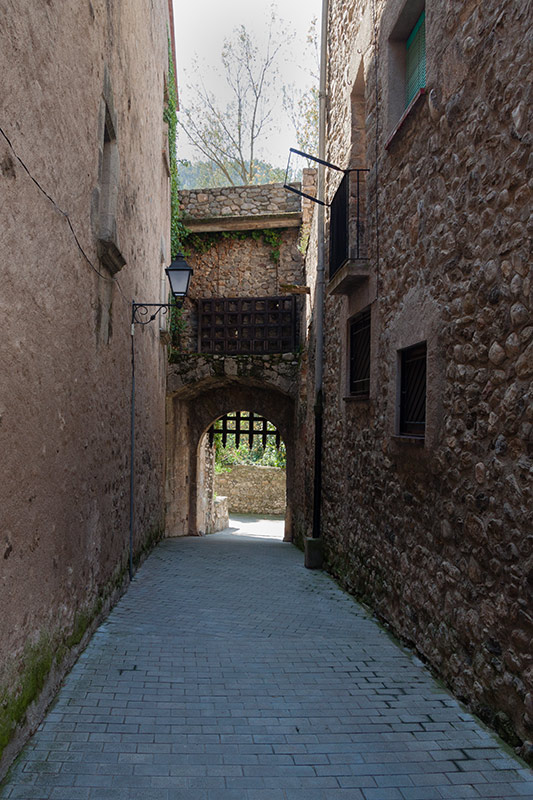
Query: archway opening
point(242, 462)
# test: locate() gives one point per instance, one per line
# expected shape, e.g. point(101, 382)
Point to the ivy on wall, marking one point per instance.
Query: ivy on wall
point(178, 231)
point(203, 242)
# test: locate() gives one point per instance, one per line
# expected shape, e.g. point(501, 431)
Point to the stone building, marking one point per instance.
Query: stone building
point(84, 188)
point(239, 344)
point(426, 399)
point(428, 354)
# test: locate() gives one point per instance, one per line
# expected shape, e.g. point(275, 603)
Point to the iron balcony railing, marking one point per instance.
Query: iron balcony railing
point(347, 232)
point(247, 325)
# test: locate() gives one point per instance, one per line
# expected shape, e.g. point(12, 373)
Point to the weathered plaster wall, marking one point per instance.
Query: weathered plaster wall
point(437, 538)
point(65, 347)
point(253, 489)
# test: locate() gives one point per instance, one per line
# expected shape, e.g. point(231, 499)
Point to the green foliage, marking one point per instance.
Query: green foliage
point(227, 457)
point(267, 456)
point(177, 229)
point(37, 660)
point(177, 325)
point(203, 242)
point(229, 135)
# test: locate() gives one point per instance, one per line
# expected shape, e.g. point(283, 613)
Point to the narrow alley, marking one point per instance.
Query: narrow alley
point(230, 671)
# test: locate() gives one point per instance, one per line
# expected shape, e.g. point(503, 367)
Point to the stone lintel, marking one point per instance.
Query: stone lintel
point(291, 219)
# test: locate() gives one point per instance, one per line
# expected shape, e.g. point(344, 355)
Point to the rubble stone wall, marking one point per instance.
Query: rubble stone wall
point(242, 201)
point(436, 536)
point(252, 489)
point(238, 264)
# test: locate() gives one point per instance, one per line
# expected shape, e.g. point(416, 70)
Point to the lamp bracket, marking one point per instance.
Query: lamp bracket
point(142, 314)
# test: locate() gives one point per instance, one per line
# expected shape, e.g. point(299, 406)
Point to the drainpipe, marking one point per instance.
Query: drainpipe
point(313, 546)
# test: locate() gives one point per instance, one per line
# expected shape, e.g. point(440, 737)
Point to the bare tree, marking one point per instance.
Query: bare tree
point(228, 136)
point(302, 106)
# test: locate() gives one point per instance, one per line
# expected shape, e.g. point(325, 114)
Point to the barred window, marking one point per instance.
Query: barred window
point(413, 391)
point(360, 354)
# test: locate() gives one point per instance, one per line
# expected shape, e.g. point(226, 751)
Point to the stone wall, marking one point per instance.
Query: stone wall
point(220, 518)
point(71, 72)
point(241, 201)
point(259, 262)
point(436, 536)
point(252, 489)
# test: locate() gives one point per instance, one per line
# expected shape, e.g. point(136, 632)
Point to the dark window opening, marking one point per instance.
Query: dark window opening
point(347, 240)
point(360, 354)
point(338, 235)
point(413, 391)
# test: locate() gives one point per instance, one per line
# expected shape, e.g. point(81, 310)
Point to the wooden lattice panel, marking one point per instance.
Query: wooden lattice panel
point(233, 325)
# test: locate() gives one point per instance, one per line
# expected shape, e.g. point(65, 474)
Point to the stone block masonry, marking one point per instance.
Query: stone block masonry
point(435, 534)
point(241, 201)
point(253, 489)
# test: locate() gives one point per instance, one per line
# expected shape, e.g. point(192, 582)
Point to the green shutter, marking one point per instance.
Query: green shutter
point(415, 73)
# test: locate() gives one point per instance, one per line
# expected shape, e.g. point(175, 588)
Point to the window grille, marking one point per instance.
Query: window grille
point(413, 391)
point(248, 325)
point(247, 426)
point(415, 75)
point(360, 354)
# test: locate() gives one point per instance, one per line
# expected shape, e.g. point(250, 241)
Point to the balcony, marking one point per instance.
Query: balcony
point(348, 251)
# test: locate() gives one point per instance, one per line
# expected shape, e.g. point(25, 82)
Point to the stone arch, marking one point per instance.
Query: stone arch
point(190, 415)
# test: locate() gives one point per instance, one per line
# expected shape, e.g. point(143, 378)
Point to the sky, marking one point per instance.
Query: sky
point(201, 27)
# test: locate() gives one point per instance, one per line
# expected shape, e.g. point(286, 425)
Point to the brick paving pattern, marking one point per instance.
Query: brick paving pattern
point(230, 672)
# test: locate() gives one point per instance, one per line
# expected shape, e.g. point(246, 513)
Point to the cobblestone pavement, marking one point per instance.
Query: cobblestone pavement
point(230, 672)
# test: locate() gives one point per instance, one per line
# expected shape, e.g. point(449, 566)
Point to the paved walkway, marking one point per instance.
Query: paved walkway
point(230, 672)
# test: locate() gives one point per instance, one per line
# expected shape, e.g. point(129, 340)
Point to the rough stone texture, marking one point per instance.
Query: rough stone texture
point(191, 410)
point(202, 387)
point(235, 267)
point(242, 201)
point(437, 538)
point(252, 489)
point(220, 518)
point(65, 347)
point(188, 373)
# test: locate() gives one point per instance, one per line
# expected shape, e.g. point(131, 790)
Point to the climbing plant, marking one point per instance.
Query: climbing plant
point(203, 242)
point(178, 231)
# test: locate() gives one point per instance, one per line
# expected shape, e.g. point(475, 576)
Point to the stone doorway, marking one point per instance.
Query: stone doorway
point(190, 414)
point(243, 466)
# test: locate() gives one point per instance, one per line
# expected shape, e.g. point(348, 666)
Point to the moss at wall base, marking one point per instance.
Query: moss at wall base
point(48, 659)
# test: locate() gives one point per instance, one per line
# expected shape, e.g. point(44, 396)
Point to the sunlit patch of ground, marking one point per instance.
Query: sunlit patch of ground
point(256, 527)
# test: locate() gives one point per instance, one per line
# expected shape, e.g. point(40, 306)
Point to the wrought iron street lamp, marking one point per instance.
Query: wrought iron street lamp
point(179, 275)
